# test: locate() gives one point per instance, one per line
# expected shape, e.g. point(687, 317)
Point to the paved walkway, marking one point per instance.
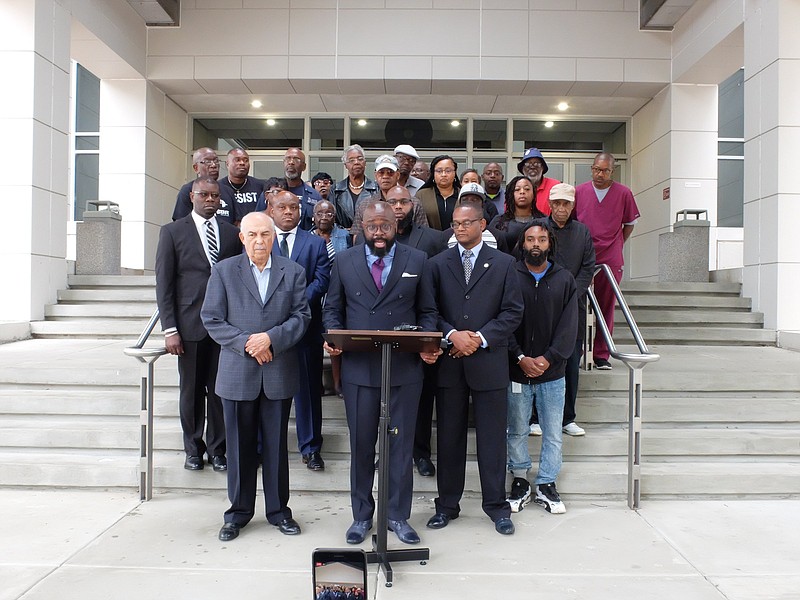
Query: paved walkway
point(88, 545)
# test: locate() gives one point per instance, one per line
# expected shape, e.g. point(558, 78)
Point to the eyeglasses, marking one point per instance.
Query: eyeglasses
point(533, 164)
point(603, 171)
point(465, 224)
point(209, 162)
point(202, 194)
point(358, 159)
point(384, 227)
point(326, 213)
point(444, 171)
point(396, 201)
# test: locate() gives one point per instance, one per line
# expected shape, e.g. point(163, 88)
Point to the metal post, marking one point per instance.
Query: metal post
point(634, 435)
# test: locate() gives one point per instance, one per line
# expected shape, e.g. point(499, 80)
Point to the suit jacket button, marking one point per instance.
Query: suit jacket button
point(372, 312)
point(358, 293)
point(389, 313)
point(400, 295)
point(466, 297)
point(466, 317)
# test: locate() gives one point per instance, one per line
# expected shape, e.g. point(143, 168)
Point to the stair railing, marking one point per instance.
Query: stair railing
point(147, 357)
point(635, 364)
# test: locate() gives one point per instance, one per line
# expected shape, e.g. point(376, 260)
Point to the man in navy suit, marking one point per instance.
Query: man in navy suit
point(187, 248)
point(374, 286)
point(308, 251)
point(256, 309)
point(475, 292)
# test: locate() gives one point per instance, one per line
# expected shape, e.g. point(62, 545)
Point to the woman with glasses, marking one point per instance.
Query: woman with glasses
point(520, 210)
point(348, 192)
point(439, 193)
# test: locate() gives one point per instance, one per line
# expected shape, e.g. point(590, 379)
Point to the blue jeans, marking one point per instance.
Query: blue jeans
point(549, 398)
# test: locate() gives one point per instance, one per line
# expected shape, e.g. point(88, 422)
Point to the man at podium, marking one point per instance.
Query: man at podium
point(374, 287)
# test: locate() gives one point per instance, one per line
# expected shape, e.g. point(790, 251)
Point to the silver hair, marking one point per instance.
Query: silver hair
point(349, 149)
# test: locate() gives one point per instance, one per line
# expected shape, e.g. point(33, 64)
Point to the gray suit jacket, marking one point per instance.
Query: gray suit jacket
point(232, 311)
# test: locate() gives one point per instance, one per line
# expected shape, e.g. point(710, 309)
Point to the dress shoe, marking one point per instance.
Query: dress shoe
point(313, 460)
point(357, 532)
point(219, 463)
point(193, 463)
point(504, 526)
point(425, 467)
point(288, 527)
point(229, 531)
point(405, 532)
point(439, 521)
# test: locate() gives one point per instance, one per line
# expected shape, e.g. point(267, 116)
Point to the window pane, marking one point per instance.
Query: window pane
point(87, 169)
point(489, 135)
point(730, 148)
point(570, 136)
point(331, 166)
point(327, 134)
point(730, 193)
point(256, 134)
point(87, 142)
point(87, 102)
point(383, 135)
point(731, 106)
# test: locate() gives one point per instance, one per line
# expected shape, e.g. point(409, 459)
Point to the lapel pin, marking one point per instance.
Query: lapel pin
point(485, 265)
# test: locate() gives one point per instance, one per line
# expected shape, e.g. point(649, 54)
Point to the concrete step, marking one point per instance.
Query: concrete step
point(692, 318)
point(111, 281)
point(107, 310)
point(146, 294)
point(720, 336)
point(94, 328)
point(638, 301)
point(651, 287)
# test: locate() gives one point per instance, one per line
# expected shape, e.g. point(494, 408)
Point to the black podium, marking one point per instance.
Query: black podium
point(352, 340)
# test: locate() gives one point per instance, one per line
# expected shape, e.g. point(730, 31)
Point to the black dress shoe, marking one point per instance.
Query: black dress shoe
point(439, 521)
point(425, 467)
point(357, 532)
point(504, 526)
point(219, 463)
point(229, 531)
point(288, 527)
point(405, 532)
point(193, 463)
point(313, 460)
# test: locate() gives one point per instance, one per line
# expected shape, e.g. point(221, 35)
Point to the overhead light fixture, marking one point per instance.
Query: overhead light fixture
point(256, 104)
point(562, 106)
point(549, 124)
point(455, 123)
point(362, 122)
point(271, 122)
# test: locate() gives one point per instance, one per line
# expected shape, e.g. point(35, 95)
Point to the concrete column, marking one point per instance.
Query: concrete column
point(674, 147)
point(34, 119)
point(772, 154)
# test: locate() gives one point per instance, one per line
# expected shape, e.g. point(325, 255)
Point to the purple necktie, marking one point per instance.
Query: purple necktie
point(377, 270)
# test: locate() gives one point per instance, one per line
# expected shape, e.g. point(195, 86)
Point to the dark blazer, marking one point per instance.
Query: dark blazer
point(232, 311)
point(310, 253)
point(430, 241)
point(354, 303)
point(182, 272)
point(491, 304)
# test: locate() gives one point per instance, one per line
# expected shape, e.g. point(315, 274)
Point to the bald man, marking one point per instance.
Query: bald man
point(205, 163)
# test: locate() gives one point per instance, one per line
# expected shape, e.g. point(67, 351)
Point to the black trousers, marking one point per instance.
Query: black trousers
point(491, 414)
point(308, 399)
point(197, 369)
point(243, 421)
point(422, 437)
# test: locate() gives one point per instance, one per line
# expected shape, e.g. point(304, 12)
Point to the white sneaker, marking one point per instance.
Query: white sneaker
point(573, 429)
point(520, 494)
point(547, 497)
point(535, 429)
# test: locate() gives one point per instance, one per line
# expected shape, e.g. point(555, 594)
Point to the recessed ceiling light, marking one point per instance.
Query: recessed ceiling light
point(362, 122)
point(562, 106)
point(549, 124)
point(256, 104)
point(455, 123)
point(271, 122)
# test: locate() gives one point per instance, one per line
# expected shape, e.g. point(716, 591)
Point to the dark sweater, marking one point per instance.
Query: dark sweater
point(549, 322)
point(575, 252)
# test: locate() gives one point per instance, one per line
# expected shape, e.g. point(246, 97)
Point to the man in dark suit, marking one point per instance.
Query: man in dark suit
point(256, 309)
point(310, 252)
point(475, 291)
point(187, 248)
point(374, 286)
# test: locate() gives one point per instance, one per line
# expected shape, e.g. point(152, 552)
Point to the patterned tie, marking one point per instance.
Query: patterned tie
point(377, 271)
point(285, 245)
point(467, 264)
point(213, 248)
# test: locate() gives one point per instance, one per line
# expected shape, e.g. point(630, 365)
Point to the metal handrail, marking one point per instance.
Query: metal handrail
point(635, 364)
point(147, 357)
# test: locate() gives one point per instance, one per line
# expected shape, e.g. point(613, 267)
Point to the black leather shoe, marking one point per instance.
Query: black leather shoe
point(357, 532)
point(193, 463)
point(425, 467)
point(313, 460)
point(219, 463)
point(229, 531)
point(405, 532)
point(439, 521)
point(288, 527)
point(504, 526)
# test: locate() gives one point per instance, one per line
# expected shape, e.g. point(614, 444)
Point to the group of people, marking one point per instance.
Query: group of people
point(501, 272)
point(338, 592)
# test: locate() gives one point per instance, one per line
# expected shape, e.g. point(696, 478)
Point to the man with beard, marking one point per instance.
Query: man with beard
point(206, 164)
point(239, 188)
point(374, 287)
point(493, 184)
point(310, 252)
point(533, 166)
point(294, 164)
point(538, 352)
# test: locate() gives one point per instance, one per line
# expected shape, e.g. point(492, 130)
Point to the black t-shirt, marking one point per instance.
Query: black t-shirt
point(242, 197)
point(183, 204)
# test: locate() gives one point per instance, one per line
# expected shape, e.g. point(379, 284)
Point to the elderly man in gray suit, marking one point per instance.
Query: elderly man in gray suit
point(256, 310)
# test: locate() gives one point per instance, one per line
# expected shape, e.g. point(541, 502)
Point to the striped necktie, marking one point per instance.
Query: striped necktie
point(213, 248)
